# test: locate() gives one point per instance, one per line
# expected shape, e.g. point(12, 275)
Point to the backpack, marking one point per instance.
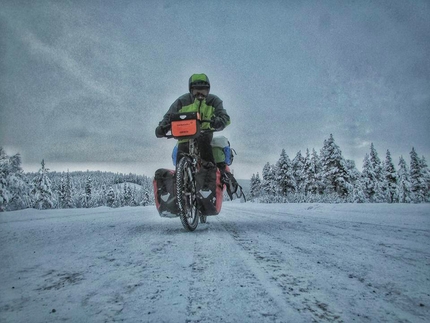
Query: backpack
point(165, 193)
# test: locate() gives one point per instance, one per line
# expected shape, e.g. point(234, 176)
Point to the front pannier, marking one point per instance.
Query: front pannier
point(209, 190)
point(165, 193)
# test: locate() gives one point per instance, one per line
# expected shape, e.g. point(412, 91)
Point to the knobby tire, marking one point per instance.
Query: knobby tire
point(186, 194)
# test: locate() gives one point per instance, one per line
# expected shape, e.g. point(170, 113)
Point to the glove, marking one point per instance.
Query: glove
point(160, 132)
point(217, 123)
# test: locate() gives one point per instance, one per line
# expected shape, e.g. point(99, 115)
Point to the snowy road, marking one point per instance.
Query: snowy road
point(252, 263)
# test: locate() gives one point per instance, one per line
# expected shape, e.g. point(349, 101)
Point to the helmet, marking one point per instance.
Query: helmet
point(199, 81)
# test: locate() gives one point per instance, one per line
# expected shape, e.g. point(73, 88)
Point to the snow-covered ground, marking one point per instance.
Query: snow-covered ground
point(252, 263)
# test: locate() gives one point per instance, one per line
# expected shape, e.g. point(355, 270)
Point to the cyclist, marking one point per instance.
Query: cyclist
point(209, 106)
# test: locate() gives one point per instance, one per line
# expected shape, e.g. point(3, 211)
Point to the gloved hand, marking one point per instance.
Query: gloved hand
point(217, 123)
point(160, 132)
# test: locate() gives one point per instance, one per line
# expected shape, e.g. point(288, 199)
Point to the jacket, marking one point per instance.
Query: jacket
point(208, 108)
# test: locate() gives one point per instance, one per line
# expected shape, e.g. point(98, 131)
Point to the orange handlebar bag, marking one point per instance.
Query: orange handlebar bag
point(185, 125)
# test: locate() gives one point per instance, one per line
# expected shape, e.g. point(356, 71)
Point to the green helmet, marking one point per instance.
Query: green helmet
point(199, 80)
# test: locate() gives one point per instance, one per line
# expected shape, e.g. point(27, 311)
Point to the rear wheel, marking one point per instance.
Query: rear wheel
point(186, 194)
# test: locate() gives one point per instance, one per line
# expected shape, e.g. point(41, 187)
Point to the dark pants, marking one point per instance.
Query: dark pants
point(204, 146)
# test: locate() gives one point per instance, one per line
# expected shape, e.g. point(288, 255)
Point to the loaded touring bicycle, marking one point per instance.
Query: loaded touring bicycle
point(192, 192)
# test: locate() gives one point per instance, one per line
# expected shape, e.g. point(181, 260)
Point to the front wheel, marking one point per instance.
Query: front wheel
point(186, 194)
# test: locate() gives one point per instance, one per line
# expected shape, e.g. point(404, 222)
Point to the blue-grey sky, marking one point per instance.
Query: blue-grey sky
point(83, 84)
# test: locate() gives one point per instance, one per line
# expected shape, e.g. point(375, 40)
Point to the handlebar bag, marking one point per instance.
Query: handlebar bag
point(185, 125)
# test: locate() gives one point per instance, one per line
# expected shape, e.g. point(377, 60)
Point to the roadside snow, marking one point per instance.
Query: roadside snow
point(252, 263)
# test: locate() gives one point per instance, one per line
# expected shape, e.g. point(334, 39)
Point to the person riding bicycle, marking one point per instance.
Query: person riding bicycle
point(209, 106)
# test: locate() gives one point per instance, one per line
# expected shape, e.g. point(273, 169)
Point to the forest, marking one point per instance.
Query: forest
point(328, 177)
point(47, 190)
point(324, 177)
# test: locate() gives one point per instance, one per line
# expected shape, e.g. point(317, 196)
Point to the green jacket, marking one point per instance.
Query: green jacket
point(208, 108)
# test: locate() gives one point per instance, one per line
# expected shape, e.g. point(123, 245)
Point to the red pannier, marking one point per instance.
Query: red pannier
point(209, 190)
point(165, 193)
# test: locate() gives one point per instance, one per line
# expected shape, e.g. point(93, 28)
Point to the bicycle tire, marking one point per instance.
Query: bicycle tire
point(186, 194)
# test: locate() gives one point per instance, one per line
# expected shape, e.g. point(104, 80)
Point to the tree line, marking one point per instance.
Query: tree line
point(328, 177)
point(46, 190)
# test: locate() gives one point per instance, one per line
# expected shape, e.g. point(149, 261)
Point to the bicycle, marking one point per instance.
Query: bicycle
point(188, 126)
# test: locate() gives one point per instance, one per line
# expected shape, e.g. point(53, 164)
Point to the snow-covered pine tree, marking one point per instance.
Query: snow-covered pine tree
point(134, 197)
point(376, 163)
point(284, 176)
point(368, 179)
point(389, 179)
point(126, 195)
point(334, 171)
point(268, 184)
point(87, 201)
point(418, 185)
point(426, 177)
point(110, 198)
point(403, 184)
point(42, 193)
point(4, 193)
point(145, 200)
point(358, 193)
point(379, 195)
point(298, 165)
point(255, 186)
point(14, 186)
point(314, 183)
point(61, 193)
point(68, 200)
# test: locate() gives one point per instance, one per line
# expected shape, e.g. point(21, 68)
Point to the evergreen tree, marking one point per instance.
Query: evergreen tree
point(4, 194)
point(334, 171)
point(87, 201)
point(284, 177)
point(255, 186)
point(126, 195)
point(67, 198)
point(404, 186)
point(145, 197)
point(42, 191)
point(268, 184)
point(418, 185)
point(358, 193)
point(426, 178)
point(376, 164)
point(368, 179)
point(389, 179)
point(110, 197)
point(314, 184)
point(61, 193)
point(14, 186)
point(298, 166)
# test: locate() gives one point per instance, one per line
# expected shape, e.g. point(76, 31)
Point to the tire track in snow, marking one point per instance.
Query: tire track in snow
point(293, 292)
point(316, 247)
point(253, 261)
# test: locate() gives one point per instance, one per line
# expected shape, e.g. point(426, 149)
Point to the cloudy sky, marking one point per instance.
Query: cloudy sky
point(83, 84)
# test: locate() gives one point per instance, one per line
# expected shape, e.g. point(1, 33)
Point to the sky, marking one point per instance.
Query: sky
point(83, 84)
